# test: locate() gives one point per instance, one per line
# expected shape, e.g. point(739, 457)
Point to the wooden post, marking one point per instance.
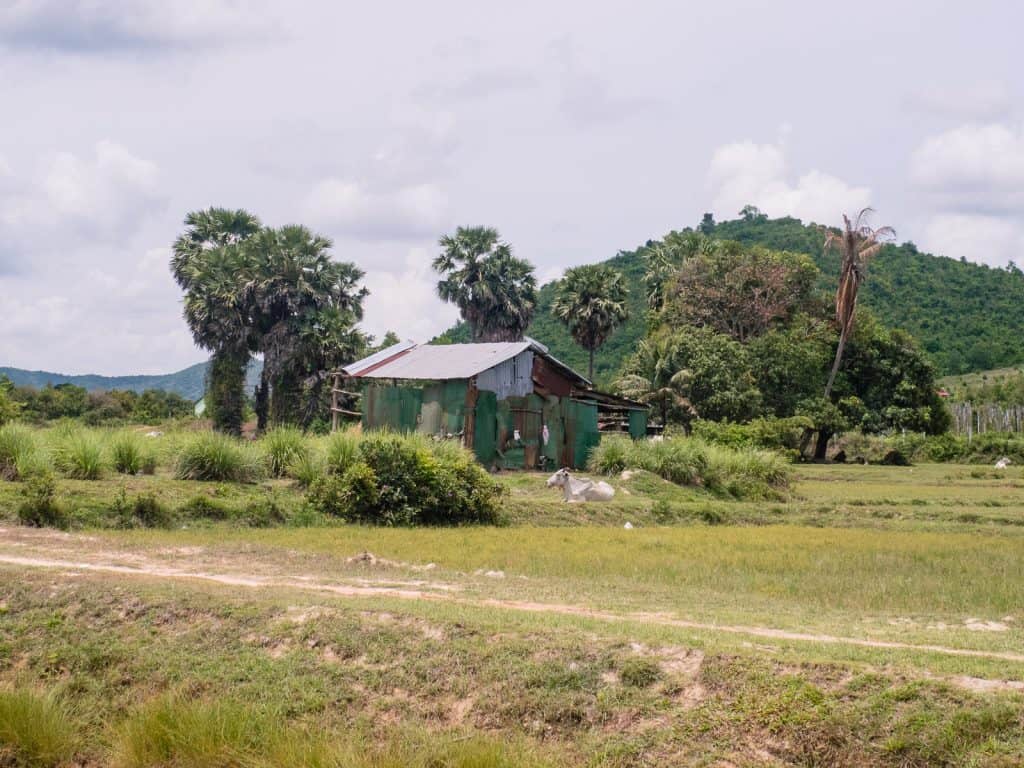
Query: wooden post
point(334, 403)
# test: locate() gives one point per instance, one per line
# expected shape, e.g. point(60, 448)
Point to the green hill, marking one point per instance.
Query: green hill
point(189, 382)
point(967, 316)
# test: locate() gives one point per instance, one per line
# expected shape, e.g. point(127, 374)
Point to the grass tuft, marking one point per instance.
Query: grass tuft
point(20, 453)
point(79, 455)
point(284, 446)
point(212, 456)
point(36, 729)
point(130, 455)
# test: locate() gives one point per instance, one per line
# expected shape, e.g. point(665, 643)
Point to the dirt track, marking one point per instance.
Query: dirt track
point(49, 550)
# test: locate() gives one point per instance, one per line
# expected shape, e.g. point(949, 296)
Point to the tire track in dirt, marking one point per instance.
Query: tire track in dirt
point(353, 591)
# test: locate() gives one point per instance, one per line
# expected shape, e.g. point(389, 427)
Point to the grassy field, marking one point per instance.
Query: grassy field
point(872, 616)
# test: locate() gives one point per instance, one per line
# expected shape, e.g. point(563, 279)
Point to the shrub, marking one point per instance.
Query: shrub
point(204, 506)
point(264, 513)
point(79, 455)
point(146, 510)
point(20, 455)
point(284, 446)
point(130, 456)
point(40, 507)
point(342, 451)
point(35, 729)
point(771, 433)
point(737, 473)
point(405, 480)
point(213, 456)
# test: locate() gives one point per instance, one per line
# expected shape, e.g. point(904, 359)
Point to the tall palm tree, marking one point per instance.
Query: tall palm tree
point(858, 243)
point(297, 291)
point(206, 262)
point(495, 292)
point(591, 302)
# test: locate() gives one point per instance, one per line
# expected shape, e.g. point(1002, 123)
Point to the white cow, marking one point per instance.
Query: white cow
point(583, 489)
point(1003, 463)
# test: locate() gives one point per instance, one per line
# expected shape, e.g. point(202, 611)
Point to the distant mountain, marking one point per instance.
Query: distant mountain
point(189, 382)
point(966, 316)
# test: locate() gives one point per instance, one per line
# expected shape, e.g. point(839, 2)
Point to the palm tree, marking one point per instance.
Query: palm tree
point(858, 243)
point(591, 302)
point(495, 292)
point(206, 262)
point(303, 302)
point(654, 377)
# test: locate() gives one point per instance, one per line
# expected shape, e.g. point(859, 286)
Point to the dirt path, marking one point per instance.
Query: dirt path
point(444, 593)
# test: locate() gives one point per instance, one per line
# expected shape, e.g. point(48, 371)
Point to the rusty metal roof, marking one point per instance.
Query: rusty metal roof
point(441, 362)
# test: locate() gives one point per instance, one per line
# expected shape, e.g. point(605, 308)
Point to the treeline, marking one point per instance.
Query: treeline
point(965, 316)
point(67, 401)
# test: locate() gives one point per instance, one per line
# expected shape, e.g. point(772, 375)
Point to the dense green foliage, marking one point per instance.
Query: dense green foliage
point(389, 479)
point(68, 401)
point(965, 316)
point(736, 473)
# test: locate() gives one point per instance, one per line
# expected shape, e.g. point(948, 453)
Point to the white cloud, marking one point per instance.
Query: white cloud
point(349, 208)
point(992, 240)
point(105, 198)
point(406, 300)
point(756, 174)
point(99, 25)
point(980, 167)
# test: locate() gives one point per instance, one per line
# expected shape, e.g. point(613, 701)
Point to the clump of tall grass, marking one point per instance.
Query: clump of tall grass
point(738, 473)
point(36, 729)
point(39, 506)
point(130, 455)
point(175, 733)
point(212, 456)
point(79, 455)
point(20, 453)
point(307, 468)
point(342, 451)
point(284, 446)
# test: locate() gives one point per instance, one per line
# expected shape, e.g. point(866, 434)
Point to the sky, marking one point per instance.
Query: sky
point(576, 128)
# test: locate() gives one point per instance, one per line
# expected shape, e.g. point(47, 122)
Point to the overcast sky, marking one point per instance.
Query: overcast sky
point(576, 128)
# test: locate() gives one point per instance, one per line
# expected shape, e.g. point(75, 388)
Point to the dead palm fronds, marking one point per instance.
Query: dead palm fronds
point(857, 243)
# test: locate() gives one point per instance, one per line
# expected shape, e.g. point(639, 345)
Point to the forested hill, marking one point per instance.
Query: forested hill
point(967, 316)
point(189, 382)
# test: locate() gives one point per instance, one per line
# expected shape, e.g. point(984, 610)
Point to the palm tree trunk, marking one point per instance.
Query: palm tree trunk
point(837, 361)
point(590, 375)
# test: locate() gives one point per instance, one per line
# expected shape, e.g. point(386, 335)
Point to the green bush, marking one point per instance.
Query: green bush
point(284, 447)
point(36, 729)
point(406, 480)
point(264, 513)
point(39, 506)
point(20, 453)
point(129, 455)
point(736, 473)
point(213, 456)
point(204, 507)
point(79, 455)
point(145, 510)
point(771, 433)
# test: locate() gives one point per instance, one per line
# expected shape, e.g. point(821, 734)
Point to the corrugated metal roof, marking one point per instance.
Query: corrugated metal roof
point(435, 362)
point(378, 357)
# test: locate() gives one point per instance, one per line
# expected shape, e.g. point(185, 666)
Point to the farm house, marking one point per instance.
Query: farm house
point(512, 403)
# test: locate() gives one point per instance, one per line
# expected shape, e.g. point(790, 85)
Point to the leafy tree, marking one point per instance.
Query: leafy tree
point(717, 383)
point(739, 291)
point(495, 292)
point(788, 363)
point(207, 261)
point(591, 303)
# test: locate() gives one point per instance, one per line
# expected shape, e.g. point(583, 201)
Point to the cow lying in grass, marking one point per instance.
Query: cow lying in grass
point(582, 489)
